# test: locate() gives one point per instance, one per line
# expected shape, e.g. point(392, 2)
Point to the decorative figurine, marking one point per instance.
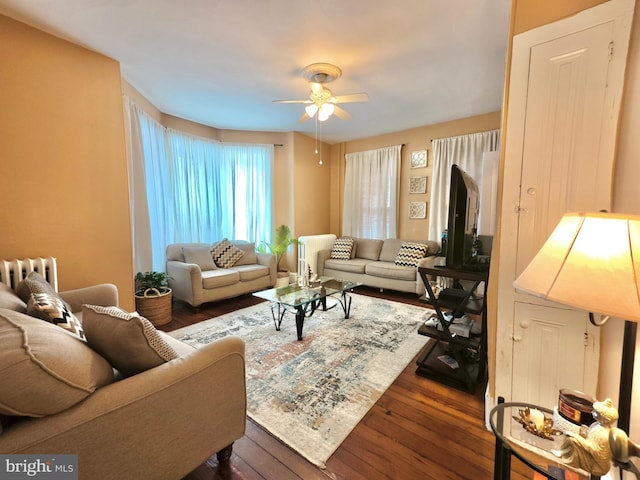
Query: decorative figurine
point(590, 449)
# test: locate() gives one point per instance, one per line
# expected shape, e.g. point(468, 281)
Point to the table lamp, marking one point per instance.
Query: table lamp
point(592, 262)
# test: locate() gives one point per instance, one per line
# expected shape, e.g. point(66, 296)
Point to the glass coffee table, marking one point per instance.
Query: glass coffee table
point(305, 300)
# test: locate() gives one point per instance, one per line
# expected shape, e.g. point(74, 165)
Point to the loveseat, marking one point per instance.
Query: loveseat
point(386, 264)
point(196, 278)
point(60, 393)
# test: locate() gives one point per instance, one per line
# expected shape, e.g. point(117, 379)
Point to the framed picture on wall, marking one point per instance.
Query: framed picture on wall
point(418, 185)
point(419, 159)
point(418, 210)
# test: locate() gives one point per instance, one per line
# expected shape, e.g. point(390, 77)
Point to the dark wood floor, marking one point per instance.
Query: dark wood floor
point(419, 429)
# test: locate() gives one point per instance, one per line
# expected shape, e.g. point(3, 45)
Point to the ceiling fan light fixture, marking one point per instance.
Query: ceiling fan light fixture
point(311, 110)
point(326, 110)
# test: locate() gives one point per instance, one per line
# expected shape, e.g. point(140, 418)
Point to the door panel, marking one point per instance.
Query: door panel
point(561, 170)
point(548, 353)
point(565, 89)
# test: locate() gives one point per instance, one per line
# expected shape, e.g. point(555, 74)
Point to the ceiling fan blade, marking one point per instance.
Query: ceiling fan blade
point(350, 98)
point(304, 118)
point(341, 113)
point(291, 101)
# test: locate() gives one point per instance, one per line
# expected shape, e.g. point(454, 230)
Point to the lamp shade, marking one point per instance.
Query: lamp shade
point(590, 261)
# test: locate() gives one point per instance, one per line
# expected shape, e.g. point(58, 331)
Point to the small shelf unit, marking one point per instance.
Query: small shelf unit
point(469, 353)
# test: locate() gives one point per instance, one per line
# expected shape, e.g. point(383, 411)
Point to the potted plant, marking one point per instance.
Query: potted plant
point(153, 297)
point(283, 239)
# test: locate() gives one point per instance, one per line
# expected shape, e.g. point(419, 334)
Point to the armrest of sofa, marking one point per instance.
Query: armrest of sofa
point(321, 257)
point(161, 423)
point(104, 294)
point(185, 279)
point(269, 260)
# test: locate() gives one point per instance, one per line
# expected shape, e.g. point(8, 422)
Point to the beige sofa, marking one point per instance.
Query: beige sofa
point(373, 263)
point(161, 423)
point(197, 282)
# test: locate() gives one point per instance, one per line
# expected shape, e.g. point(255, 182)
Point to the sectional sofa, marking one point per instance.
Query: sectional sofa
point(91, 380)
point(196, 278)
point(386, 264)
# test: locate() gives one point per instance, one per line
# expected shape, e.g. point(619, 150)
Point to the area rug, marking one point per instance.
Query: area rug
point(311, 393)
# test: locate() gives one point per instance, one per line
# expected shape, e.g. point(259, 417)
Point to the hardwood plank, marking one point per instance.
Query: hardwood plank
point(418, 429)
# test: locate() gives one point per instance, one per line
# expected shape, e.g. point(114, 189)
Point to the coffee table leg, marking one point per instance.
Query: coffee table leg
point(345, 301)
point(299, 321)
point(277, 318)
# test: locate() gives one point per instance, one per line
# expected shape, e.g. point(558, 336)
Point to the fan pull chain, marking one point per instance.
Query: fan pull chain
point(320, 162)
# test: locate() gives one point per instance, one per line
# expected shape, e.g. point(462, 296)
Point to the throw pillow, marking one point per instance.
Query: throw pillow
point(342, 248)
point(249, 257)
point(45, 369)
point(200, 255)
point(33, 283)
point(10, 299)
point(411, 253)
point(224, 254)
point(128, 341)
point(52, 309)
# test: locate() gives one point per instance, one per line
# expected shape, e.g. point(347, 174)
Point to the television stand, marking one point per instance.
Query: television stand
point(449, 358)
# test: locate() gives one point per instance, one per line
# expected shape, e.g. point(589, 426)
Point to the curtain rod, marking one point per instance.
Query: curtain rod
point(278, 145)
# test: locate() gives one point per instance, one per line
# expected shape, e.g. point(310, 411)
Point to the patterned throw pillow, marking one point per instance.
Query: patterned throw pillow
point(224, 254)
point(53, 309)
point(411, 253)
point(33, 283)
point(128, 341)
point(342, 248)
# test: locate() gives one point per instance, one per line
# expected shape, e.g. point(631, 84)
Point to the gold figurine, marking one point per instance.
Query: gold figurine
point(590, 449)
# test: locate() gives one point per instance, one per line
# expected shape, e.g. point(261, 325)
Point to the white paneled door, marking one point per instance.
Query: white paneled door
point(565, 89)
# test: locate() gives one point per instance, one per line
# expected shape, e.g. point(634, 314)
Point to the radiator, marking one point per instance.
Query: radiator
point(308, 250)
point(13, 271)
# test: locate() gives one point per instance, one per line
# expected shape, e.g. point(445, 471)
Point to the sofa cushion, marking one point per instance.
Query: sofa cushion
point(33, 283)
point(52, 309)
point(411, 253)
point(368, 248)
point(391, 271)
point(390, 249)
point(10, 300)
point(200, 255)
point(219, 278)
point(357, 265)
point(225, 254)
point(251, 272)
point(249, 248)
point(45, 369)
point(342, 248)
point(128, 341)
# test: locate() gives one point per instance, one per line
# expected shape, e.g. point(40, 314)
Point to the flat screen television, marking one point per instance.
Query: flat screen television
point(462, 218)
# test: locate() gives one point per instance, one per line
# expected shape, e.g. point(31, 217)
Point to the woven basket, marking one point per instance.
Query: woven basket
point(155, 306)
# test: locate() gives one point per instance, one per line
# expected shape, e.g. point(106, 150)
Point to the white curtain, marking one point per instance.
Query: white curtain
point(185, 188)
point(145, 144)
point(465, 151)
point(371, 189)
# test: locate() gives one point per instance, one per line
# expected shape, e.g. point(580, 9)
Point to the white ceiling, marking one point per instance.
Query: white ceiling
point(222, 62)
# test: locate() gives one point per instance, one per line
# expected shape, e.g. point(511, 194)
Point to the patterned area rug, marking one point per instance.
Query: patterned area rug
point(311, 393)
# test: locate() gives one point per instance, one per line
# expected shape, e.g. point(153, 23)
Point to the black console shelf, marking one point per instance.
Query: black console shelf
point(469, 353)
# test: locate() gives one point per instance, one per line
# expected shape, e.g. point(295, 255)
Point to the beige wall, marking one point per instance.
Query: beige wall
point(414, 140)
point(528, 14)
point(63, 165)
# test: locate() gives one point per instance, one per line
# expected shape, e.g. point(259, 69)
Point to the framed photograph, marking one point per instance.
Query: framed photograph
point(419, 159)
point(418, 185)
point(418, 210)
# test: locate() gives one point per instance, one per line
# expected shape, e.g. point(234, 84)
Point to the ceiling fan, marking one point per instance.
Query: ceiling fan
point(321, 100)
